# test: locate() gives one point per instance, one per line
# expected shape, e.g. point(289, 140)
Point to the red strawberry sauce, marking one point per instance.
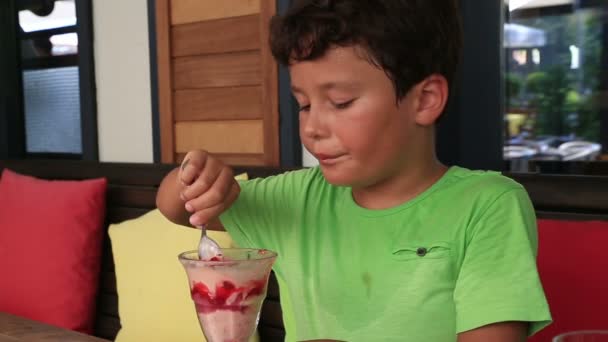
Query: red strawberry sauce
point(207, 302)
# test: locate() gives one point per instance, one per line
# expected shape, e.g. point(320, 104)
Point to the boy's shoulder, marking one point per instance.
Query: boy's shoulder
point(310, 178)
point(457, 176)
point(481, 181)
point(479, 195)
point(297, 178)
point(303, 174)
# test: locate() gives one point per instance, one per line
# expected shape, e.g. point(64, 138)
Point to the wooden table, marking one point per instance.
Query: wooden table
point(19, 329)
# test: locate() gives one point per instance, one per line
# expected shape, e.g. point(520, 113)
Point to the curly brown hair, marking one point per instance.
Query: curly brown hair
point(408, 39)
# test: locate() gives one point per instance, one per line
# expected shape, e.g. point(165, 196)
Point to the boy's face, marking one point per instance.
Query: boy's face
point(350, 119)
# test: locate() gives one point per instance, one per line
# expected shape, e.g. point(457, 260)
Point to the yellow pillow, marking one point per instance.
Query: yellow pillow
point(153, 297)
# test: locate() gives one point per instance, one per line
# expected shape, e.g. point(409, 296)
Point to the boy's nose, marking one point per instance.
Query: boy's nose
point(313, 124)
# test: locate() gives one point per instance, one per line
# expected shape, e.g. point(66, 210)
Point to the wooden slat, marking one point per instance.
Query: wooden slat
point(218, 70)
point(107, 327)
point(255, 171)
point(132, 196)
point(587, 168)
point(235, 159)
point(273, 288)
point(270, 88)
point(244, 136)
point(137, 174)
point(23, 329)
point(232, 103)
point(189, 11)
point(271, 314)
point(565, 193)
point(215, 36)
point(569, 216)
point(6, 338)
point(107, 259)
point(242, 159)
point(107, 264)
point(133, 174)
point(108, 282)
point(165, 86)
point(270, 334)
point(108, 304)
point(120, 214)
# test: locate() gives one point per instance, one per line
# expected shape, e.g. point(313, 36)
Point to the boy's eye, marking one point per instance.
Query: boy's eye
point(305, 108)
point(344, 105)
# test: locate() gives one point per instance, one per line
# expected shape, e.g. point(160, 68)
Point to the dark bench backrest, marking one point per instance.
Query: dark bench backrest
point(132, 190)
point(567, 197)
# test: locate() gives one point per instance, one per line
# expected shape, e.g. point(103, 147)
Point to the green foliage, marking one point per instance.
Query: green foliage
point(564, 100)
point(514, 85)
point(536, 83)
point(572, 101)
point(588, 126)
point(550, 91)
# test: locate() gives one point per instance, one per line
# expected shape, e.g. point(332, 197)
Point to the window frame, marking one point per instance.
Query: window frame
point(466, 134)
point(12, 113)
point(12, 125)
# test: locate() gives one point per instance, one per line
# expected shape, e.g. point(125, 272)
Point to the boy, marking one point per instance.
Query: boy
point(381, 242)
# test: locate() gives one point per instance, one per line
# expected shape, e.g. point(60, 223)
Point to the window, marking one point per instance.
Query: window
point(556, 55)
point(55, 79)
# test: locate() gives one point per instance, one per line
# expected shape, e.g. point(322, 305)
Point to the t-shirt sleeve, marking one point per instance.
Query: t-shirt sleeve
point(266, 211)
point(498, 279)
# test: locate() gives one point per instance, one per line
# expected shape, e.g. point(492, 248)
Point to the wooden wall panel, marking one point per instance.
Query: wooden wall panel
point(270, 86)
point(215, 36)
point(218, 70)
point(218, 83)
point(189, 11)
point(232, 158)
point(231, 103)
point(246, 136)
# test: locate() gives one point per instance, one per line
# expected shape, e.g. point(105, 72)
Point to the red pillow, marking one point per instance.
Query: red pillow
point(573, 267)
point(50, 248)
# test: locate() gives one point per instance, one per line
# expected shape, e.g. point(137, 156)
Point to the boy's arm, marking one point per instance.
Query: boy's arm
point(168, 199)
point(498, 281)
point(497, 332)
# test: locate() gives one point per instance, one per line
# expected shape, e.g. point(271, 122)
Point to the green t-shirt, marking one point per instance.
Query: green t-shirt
point(458, 256)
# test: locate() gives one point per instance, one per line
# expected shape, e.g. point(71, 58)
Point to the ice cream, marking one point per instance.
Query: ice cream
point(228, 294)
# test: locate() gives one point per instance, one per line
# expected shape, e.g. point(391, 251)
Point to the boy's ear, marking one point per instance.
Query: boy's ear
point(432, 98)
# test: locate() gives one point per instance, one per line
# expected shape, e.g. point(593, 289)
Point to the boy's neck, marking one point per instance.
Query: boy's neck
point(401, 187)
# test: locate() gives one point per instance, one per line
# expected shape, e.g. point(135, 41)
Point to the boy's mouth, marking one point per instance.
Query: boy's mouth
point(327, 159)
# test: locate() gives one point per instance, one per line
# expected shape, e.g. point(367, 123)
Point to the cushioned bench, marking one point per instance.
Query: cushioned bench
point(573, 235)
point(131, 193)
point(132, 190)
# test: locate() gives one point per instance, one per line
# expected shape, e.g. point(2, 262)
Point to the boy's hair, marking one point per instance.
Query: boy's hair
point(408, 39)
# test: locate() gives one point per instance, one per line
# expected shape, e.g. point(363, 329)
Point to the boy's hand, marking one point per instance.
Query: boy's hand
point(207, 185)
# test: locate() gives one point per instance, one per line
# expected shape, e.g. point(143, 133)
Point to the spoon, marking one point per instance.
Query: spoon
point(208, 249)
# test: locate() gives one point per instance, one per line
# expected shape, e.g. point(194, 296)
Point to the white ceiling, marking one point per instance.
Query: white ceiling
point(64, 14)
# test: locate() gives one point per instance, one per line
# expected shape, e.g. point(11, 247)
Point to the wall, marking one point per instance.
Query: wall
point(122, 71)
point(308, 159)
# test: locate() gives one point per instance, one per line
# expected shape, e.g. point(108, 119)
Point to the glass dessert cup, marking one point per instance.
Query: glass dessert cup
point(228, 293)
